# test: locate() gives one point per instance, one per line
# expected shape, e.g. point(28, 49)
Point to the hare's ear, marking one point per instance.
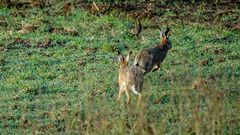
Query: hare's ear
point(118, 52)
point(128, 56)
point(120, 56)
point(161, 33)
point(167, 32)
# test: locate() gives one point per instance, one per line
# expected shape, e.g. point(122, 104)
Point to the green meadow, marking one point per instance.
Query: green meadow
point(59, 75)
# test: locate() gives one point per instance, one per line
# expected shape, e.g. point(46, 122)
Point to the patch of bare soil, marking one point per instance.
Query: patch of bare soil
point(27, 28)
point(46, 43)
point(2, 49)
point(64, 31)
point(89, 49)
point(18, 43)
point(205, 62)
point(3, 22)
point(220, 60)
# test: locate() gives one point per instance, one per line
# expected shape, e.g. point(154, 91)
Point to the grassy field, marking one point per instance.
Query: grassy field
point(58, 74)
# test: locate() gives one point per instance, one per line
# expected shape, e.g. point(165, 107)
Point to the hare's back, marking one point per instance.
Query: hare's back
point(144, 59)
point(135, 75)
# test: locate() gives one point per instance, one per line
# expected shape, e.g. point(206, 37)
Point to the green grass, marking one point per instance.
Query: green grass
point(69, 85)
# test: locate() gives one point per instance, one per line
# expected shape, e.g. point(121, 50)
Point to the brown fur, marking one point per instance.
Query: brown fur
point(129, 78)
point(149, 60)
point(163, 42)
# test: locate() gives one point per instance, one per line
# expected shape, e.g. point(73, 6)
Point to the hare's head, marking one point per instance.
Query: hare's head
point(165, 41)
point(123, 60)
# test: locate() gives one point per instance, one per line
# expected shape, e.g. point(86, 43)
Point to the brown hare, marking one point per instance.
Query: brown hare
point(129, 78)
point(149, 59)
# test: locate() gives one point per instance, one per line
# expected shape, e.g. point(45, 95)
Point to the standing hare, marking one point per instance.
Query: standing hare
point(149, 59)
point(129, 78)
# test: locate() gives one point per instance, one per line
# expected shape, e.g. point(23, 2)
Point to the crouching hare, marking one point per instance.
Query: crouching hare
point(129, 78)
point(149, 59)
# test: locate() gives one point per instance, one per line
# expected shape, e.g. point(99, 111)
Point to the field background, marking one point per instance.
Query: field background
point(59, 68)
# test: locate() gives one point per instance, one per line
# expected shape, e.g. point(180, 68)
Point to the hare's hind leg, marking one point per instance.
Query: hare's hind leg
point(155, 68)
point(139, 99)
point(128, 95)
point(121, 90)
point(138, 93)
